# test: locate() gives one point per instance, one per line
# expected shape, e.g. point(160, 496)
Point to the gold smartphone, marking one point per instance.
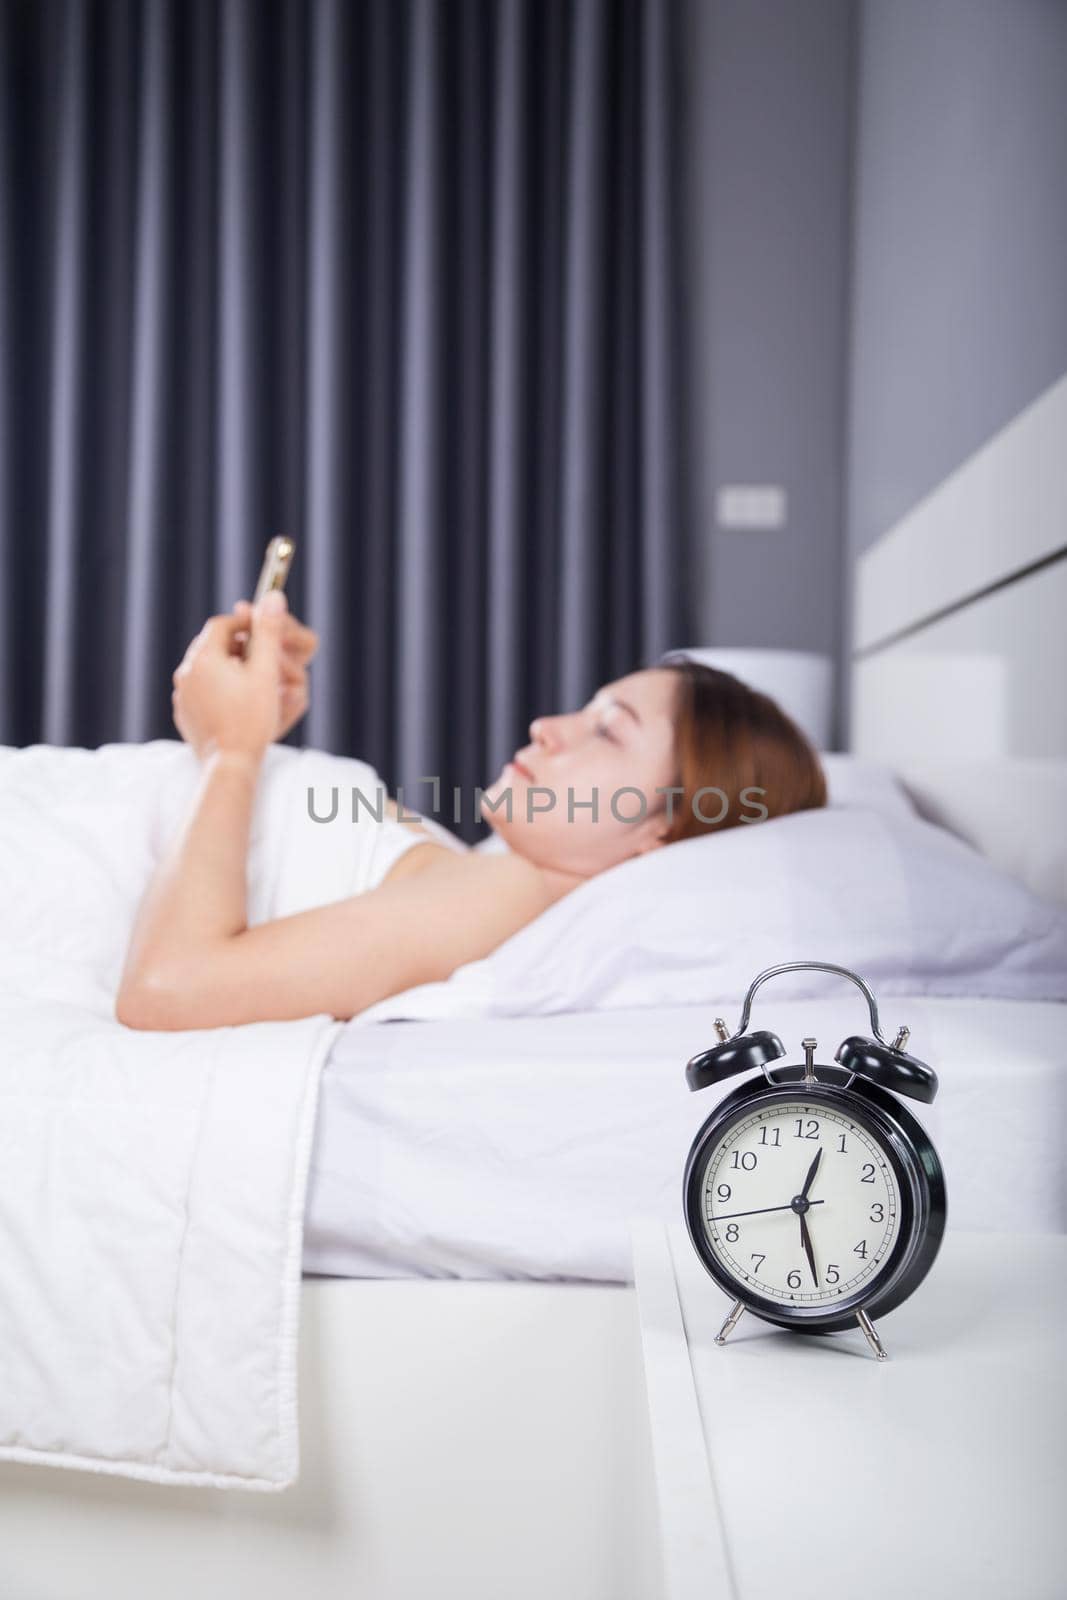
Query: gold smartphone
point(277, 560)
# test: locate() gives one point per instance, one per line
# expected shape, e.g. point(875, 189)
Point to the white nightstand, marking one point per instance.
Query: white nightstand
point(798, 1467)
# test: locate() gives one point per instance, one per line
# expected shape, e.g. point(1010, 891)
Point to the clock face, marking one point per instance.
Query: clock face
point(800, 1203)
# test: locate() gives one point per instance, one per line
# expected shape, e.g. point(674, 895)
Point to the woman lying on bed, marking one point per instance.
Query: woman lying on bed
point(193, 962)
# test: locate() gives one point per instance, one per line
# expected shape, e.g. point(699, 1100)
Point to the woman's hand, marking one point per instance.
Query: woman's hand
point(299, 644)
point(222, 702)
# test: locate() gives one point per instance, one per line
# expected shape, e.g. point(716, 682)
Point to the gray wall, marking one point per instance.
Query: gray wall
point(959, 304)
point(877, 199)
point(767, 195)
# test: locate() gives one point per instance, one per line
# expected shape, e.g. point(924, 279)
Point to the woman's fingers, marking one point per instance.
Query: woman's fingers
point(293, 704)
point(300, 639)
point(242, 612)
point(297, 638)
point(216, 633)
point(299, 642)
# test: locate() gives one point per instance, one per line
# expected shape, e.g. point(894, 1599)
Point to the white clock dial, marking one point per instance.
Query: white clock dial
point(752, 1205)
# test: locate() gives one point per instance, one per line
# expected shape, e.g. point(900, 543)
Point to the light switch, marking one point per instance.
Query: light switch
point(751, 505)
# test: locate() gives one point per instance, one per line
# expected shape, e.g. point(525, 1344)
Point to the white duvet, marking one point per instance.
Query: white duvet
point(151, 1184)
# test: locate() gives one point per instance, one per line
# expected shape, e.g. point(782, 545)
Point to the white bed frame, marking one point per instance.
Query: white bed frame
point(489, 1441)
point(960, 650)
point(469, 1441)
point(959, 643)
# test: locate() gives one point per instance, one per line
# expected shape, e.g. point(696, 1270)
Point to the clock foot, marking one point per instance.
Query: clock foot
point(730, 1324)
point(872, 1338)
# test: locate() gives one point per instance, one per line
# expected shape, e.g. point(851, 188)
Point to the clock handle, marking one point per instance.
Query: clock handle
point(810, 966)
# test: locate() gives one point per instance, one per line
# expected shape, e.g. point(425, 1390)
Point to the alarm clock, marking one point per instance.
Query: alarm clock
point(812, 1195)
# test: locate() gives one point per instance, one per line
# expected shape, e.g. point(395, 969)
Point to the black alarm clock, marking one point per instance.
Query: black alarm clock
point(812, 1196)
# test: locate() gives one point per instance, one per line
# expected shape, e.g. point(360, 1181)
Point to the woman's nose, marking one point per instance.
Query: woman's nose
point(543, 731)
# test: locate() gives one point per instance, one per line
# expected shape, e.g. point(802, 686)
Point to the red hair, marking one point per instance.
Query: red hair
point(732, 739)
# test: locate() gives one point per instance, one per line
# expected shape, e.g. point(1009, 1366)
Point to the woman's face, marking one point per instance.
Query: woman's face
point(623, 740)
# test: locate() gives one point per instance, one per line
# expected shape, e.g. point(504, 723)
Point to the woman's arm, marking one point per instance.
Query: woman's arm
point(344, 957)
point(193, 962)
point(199, 892)
point(229, 710)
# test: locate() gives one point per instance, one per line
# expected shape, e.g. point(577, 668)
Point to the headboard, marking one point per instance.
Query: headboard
point(959, 666)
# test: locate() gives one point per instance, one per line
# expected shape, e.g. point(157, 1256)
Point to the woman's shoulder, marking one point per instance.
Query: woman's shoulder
point(460, 907)
point(492, 874)
point(412, 843)
point(489, 869)
point(421, 824)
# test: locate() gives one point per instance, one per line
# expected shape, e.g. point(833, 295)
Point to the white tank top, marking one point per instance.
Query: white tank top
point(393, 839)
point(331, 846)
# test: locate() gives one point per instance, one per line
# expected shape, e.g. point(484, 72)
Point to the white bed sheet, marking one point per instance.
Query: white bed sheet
point(522, 1148)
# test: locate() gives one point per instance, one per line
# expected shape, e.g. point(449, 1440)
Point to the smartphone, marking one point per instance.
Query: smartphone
point(277, 560)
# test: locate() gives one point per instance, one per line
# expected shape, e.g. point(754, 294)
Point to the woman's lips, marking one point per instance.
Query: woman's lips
point(518, 766)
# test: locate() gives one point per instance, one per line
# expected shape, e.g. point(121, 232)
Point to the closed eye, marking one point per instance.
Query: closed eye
point(600, 729)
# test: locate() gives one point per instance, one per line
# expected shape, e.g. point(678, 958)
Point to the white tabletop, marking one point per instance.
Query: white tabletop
point(799, 1466)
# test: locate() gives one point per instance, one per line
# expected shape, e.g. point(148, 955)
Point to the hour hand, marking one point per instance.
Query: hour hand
point(812, 1170)
point(805, 1239)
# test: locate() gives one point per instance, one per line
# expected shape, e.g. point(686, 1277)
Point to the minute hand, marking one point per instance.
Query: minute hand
point(805, 1239)
point(724, 1216)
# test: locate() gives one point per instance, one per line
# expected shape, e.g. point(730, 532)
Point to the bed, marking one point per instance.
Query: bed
point(560, 1132)
point(471, 1395)
point(489, 1436)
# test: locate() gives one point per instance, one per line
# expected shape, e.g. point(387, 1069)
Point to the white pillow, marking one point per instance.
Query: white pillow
point(904, 903)
point(1014, 812)
point(851, 781)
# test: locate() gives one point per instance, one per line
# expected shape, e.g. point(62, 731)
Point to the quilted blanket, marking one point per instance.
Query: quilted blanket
point(151, 1184)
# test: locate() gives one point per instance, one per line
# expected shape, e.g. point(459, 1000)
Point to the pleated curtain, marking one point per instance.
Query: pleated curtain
point(400, 279)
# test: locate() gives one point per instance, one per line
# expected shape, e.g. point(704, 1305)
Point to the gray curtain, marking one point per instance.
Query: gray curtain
point(400, 279)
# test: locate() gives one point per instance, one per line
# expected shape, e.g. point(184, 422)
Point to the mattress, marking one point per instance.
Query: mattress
point(523, 1148)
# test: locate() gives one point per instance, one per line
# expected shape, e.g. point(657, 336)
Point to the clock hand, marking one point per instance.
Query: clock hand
point(805, 1239)
point(725, 1216)
point(811, 1174)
